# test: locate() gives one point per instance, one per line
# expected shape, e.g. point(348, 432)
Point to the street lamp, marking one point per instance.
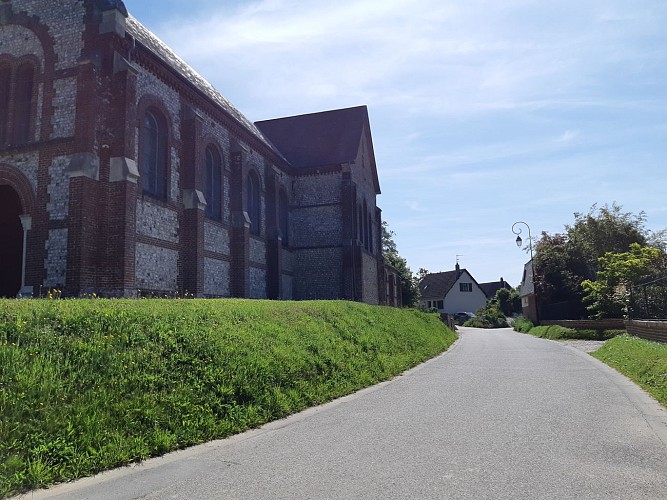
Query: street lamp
point(519, 242)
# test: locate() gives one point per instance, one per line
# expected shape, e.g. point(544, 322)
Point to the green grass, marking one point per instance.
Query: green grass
point(522, 325)
point(87, 385)
point(642, 361)
point(556, 332)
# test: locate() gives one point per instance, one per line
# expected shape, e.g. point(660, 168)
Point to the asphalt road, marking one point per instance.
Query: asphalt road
point(500, 416)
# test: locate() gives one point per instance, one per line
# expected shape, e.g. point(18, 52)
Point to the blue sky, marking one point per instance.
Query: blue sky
point(483, 113)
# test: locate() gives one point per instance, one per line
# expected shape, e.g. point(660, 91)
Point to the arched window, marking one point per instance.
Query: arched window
point(370, 234)
point(283, 214)
point(360, 224)
point(23, 92)
point(253, 203)
point(365, 226)
point(213, 183)
point(154, 154)
point(5, 89)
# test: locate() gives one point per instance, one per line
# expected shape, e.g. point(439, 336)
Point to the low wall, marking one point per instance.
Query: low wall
point(448, 320)
point(649, 330)
point(587, 324)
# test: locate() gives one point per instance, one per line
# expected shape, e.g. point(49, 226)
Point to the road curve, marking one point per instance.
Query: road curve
point(501, 415)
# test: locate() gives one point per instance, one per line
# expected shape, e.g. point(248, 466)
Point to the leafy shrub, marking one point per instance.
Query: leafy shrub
point(552, 332)
point(477, 322)
point(589, 334)
point(488, 316)
point(523, 325)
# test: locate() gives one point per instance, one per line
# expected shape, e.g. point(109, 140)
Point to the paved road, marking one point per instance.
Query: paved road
point(500, 416)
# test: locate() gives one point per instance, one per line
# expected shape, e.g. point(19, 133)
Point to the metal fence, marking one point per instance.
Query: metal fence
point(648, 300)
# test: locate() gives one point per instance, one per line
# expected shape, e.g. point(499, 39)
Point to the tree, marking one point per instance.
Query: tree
point(409, 283)
point(604, 230)
point(559, 271)
point(508, 301)
point(611, 294)
point(564, 260)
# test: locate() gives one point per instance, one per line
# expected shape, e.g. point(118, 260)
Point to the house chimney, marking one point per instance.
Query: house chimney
point(502, 282)
point(458, 270)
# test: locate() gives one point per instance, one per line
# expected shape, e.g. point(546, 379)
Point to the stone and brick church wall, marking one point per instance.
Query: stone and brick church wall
point(94, 230)
point(51, 40)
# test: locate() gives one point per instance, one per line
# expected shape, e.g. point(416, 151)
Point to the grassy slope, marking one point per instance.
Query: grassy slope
point(90, 385)
point(642, 361)
point(555, 332)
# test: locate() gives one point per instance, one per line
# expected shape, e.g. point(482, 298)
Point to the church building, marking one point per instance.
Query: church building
point(124, 173)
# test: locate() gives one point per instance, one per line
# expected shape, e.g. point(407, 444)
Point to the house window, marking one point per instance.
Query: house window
point(253, 203)
point(440, 304)
point(283, 215)
point(465, 287)
point(23, 104)
point(154, 154)
point(213, 183)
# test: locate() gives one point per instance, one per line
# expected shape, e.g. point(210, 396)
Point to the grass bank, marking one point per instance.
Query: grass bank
point(87, 385)
point(640, 360)
point(556, 332)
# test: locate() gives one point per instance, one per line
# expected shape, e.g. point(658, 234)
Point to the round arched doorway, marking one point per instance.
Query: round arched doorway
point(11, 242)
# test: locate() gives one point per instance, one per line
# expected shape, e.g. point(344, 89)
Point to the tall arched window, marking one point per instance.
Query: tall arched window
point(283, 208)
point(213, 183)
point(23, 92)
point(5, 89)
point(365, 225)
point(253, 202)
point(370, 234)
point(360, 224)
point(154, 154)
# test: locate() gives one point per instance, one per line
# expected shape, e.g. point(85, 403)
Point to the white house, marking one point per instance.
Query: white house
point(452, 292)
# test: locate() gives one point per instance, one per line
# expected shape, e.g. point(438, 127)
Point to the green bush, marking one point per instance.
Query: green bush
point(522, 325)
point(588, 334)
point(552, 332)
point(488, 316)
point(556, 332)
point(87, 385)
point(477, 322)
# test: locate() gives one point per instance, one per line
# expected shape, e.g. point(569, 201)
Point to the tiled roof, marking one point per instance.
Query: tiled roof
point(492, 287)
point(146, 38)
point(318, 139)
point(437, 285)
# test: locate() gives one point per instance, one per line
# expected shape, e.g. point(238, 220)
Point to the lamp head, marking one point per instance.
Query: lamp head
point(519, 241)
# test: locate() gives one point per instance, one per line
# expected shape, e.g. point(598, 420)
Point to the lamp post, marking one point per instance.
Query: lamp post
point(519, 242)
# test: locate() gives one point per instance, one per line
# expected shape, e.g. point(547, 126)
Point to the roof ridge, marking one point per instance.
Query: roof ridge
point(161, 50)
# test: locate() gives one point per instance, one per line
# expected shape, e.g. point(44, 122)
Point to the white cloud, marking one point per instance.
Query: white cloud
point(482, 112)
